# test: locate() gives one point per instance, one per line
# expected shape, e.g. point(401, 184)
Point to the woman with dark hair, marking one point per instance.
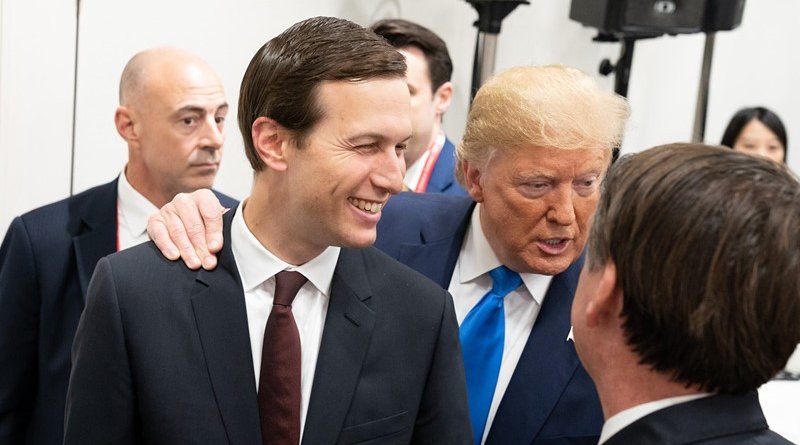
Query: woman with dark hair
point(757, 131)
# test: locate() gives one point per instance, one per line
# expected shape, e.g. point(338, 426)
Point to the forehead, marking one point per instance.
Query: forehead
point(417, 64)
point(184, 86)
point(559, 163)
point(756, 129)
point(379, 105)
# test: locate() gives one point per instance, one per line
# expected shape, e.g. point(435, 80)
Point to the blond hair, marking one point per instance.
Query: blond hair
point(544, 106)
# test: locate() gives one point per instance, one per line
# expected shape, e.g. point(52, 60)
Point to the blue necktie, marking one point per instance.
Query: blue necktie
point(482, 334)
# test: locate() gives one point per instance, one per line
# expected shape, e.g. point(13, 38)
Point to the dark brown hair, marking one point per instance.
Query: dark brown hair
point(283, 76)
point(707, 252)
point(400, 33)
point(761, 114)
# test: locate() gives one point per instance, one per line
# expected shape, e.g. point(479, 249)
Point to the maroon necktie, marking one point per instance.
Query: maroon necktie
point(279, 382)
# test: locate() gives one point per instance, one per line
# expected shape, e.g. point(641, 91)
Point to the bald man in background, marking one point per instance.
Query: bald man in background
point(171, 115)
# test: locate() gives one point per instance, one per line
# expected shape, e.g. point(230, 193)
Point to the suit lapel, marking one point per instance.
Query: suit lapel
point(426, 257)
point(544, 369)
point(221, 317)
point(345, 338)
point(93, 222)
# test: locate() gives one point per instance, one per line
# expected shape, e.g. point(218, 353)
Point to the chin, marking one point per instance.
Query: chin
point(359, 241)
point(550, 266)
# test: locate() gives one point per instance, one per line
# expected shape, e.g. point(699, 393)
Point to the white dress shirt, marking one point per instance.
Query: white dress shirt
point(622, 419)
point(257, 268)
point(471, 281)
point(133, 210)
point(414, 171)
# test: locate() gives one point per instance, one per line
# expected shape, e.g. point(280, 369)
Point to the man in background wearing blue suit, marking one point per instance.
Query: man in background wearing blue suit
point(430, 156)
point(171, 114)
point(690, 296)
point(536, 148)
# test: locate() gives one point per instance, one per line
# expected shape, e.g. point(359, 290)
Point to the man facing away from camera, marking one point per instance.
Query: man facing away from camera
point(690, 296)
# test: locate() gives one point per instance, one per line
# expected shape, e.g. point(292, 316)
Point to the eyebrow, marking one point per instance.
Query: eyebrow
point(372, 136)
point(197, 109)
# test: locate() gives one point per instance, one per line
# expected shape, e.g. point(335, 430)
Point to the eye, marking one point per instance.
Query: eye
point(534, 188)
point(189, 121)
point(219, 119)
point(400, 147)
point(585, 186)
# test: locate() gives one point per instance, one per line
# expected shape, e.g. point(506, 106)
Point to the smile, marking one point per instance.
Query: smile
point(367, 206)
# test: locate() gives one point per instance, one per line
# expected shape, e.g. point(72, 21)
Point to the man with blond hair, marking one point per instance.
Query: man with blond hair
point(171, 114)
point(690, 296)
point(536, 148)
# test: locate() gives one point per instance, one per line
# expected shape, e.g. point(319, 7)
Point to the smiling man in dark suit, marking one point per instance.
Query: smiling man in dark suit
point(537, 145)
point(171, 114)
point(304, 333)
point(690, 296)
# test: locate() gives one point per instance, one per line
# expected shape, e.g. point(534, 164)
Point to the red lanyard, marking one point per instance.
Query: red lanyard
point(433, 155)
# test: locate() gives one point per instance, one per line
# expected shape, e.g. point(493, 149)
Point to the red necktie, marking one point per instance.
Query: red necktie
point(279, 381)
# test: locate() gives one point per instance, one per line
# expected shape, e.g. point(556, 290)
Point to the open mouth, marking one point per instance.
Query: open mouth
point(553, 246)
point(371, 207)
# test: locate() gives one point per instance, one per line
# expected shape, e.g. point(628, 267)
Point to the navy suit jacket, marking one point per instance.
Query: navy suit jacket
point(163, 355)
point(46, 260)
point(443, 178)
point(716, 420)
point(550, 398)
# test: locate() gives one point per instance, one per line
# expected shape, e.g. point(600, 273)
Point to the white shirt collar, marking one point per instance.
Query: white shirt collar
point(133, 207)
point(261, 264)
point(480, 259)
point(622, 419)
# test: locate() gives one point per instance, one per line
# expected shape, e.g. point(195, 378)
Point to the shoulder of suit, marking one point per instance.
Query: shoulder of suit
point(392, 275)
point(225, 200)
point(45, 213)
point(145, 262)
point(425, 205)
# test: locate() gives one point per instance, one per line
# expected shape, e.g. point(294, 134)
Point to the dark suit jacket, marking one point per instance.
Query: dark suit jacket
point(550, 399)
point(720, 419)
point(46, 260)
point(443, 175)
point(163, 355)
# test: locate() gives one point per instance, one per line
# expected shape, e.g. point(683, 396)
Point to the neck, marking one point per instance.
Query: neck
point(437, 128)
point(626, 386)
point(275, 229)
point(139, 178)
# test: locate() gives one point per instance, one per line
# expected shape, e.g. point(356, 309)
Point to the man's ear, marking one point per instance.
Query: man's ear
point(442, 98)
point(124, 120)
point(472, 178)
point(269, 139)
point(606, 304)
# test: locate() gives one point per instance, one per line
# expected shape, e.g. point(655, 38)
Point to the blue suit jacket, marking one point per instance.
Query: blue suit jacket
point(443, 178)
point(550, 399)
point(46, 260)
point(721, 419)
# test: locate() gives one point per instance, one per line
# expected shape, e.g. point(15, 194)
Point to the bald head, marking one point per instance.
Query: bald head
point(160, 65)
point(171, 114)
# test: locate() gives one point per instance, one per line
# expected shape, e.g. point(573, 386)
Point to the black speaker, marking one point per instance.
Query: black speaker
point(656, 17)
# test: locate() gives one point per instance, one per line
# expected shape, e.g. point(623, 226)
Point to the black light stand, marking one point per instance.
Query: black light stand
point(490, 16)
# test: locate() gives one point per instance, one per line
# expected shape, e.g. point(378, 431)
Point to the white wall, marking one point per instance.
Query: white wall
point(37, 61)
point(754, 64)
